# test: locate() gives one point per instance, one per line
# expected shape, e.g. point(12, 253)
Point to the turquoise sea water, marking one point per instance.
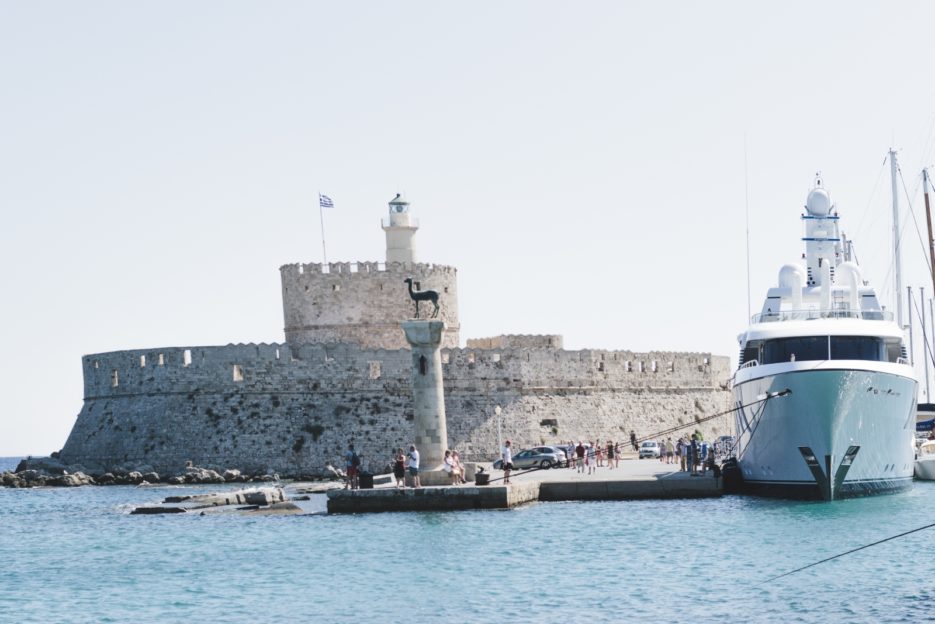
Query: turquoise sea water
point(75, 555)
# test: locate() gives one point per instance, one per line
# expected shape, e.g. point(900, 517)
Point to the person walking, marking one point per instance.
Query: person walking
point(591, 459)
point(610, 454)
point(414, 466)
point(579, 453)
point(633, 441)
point(599, 454)
point(670, 451)
point(506, 458)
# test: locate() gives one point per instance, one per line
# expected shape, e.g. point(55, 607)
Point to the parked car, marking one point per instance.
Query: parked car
point(650, 449)
point(538, 457)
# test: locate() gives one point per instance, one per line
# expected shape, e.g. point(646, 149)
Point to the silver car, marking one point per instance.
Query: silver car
point(538, 457)
point(650, 449)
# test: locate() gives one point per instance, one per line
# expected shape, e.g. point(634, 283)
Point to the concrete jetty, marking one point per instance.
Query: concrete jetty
point(632, 480)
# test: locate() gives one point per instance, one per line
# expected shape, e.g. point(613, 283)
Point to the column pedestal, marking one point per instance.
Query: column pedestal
point(428, 398)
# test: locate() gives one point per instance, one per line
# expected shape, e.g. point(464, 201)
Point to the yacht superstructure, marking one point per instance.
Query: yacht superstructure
point(825, 394)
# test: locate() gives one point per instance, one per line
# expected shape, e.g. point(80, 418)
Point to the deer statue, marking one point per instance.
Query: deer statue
point(423, 295)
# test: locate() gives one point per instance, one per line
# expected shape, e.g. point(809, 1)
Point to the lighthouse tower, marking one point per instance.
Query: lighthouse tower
point(400, 231)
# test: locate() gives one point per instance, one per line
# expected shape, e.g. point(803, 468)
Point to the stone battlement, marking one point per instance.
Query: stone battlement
point(244, 367)
point(365, 268)
point(517, 341)
point(363, 302)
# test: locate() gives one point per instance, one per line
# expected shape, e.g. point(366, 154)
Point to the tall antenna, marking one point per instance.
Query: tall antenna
point(897, 269)
point(746, 202)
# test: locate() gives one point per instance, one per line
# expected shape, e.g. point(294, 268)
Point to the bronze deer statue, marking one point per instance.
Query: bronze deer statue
point(423, 295)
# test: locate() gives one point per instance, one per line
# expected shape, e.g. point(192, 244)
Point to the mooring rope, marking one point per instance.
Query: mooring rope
point(811, 565)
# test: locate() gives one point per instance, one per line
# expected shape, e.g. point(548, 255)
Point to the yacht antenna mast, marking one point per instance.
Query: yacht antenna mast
point(897, 269)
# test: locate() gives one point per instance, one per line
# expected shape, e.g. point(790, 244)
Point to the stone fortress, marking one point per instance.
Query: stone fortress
point(344, 373)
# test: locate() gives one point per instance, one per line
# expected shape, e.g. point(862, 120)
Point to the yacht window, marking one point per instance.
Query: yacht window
point(857, 348)
point(799, 349)
point(751, 351)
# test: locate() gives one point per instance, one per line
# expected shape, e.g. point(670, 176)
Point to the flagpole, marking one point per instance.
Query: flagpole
point(321, 215)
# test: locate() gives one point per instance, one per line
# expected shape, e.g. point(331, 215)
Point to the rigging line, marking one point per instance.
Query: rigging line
point(873, 193)
point(928, 526)
point(918, 230)
point(925, 333)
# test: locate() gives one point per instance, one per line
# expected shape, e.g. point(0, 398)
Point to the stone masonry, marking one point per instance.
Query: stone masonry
point(292, 410)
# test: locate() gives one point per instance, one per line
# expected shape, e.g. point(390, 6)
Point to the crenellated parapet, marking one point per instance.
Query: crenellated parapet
point(289, 368)
point(517, 341)
point(363, 302)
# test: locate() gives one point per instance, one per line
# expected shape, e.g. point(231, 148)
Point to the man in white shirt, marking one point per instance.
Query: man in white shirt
point(414, 466)
point(507, 460)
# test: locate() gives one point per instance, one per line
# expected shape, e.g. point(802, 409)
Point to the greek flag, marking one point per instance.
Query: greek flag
point(324, 201)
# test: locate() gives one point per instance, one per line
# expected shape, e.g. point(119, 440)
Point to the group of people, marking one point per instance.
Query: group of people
point(589, 456)
point(692, 453)
point(404, 463)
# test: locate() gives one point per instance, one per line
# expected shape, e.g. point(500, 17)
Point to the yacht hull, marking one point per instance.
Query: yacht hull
point(840, 432)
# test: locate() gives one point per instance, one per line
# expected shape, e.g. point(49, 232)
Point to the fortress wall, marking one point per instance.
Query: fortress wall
point(293, 413)
point(362, 302)
point(517, 341)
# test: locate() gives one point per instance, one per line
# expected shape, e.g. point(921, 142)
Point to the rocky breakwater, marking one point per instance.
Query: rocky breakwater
point(51, 472)
point(266, 500)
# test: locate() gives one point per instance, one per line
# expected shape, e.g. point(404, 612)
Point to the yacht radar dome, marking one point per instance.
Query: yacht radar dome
point(819, 202)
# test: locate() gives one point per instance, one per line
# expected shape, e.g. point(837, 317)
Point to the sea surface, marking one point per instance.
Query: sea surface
point(75, 555)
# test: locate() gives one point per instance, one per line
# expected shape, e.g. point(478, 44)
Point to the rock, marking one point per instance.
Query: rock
point(134, 477)
point(286, 508)
point(10, 479)
point(194, 474)
point(32, 477)
point(231, 475)
point(74, 479)
point(264, 496)
point(156, 510)
point(151, 477)
point(107, 478)
point(176, 480)
point(46, 465)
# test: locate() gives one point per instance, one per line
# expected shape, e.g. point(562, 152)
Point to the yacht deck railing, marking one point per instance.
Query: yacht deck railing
point(809, 315)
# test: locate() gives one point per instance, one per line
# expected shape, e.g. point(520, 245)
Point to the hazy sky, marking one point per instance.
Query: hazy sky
point(580, 163)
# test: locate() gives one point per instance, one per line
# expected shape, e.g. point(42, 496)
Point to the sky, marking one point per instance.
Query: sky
point(591, 168)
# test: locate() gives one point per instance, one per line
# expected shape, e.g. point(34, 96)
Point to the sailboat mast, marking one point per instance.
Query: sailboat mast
point(928, 219)
point(925, 343)
point(894, 169)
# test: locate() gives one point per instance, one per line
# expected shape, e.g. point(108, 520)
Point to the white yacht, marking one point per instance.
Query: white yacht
point(825, 395)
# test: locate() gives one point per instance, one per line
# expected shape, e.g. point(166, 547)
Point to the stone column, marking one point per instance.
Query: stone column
point(428, 393)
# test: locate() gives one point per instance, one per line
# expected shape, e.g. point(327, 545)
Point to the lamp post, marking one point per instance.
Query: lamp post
point(499, 410)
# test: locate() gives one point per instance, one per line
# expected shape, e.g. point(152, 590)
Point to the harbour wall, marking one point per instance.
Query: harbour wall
point(293, 409)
